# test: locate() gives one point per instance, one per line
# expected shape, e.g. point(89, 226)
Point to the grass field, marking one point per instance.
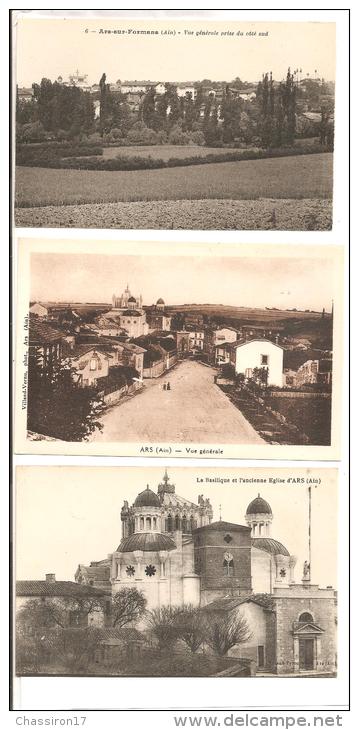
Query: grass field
point(308, 176)
point(166, 151)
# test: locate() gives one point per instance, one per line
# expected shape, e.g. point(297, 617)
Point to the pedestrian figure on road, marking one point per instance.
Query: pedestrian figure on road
point(164, 386)
point(168, 386)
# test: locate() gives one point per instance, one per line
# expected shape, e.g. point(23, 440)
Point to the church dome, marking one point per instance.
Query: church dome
point(160, 301)
point(147, 498)
point(132, 299)
point(258, 506)
point(146, 541)
point(269, 545)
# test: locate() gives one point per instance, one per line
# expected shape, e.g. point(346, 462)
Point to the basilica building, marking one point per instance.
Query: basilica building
point(173, 551)
point(128, 313)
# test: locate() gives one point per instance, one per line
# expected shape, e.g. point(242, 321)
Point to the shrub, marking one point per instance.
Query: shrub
point(162, 137)
point(95, 138)
point(140, 134)
point(197, 138)
point(115, 133)
point(62, 135)
point(33, 132)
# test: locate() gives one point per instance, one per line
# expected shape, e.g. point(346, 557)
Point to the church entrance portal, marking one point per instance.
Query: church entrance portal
point(306, 654)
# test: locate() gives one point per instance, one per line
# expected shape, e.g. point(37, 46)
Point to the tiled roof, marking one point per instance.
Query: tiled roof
point(124, 634)
point(65, 588)
point(133, 348)
point(40, 332)
point(80, 350)
point(228, 603)
point(222, 525)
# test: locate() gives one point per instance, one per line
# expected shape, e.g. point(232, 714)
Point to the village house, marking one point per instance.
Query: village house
point(46, 344)
point(218, 336)
point(39, 310)
point(90, 364)
point(106, 327)
point(82, 604)
point(183, 344)
point(247, 355)
point(196, 340)
point(128, 354)
point(314, 372)
point(186, 88)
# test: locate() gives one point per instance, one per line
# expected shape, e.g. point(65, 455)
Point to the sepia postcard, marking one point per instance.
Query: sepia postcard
point(178, 349)
point(174, 124)
point(178, 572)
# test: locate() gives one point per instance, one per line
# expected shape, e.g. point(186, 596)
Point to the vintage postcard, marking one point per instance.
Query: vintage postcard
point(200, 572)
point(168, 124)
point(178, 349)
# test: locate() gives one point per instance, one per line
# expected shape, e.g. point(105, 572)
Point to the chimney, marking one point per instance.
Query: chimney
point(50, 578)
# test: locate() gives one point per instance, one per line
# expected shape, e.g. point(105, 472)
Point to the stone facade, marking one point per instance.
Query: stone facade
point(305, 629)
point(222, 557)
point(173, 552)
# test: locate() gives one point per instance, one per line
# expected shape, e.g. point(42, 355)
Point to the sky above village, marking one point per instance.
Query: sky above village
point(57, 47)
point(66, 516)
point(284, 283)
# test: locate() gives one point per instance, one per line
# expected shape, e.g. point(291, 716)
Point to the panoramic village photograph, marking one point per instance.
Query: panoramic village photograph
point(176, 572)
point(205, 349)
point(132, 125)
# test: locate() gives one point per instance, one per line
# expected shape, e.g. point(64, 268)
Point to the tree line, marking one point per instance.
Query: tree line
point(68, 112)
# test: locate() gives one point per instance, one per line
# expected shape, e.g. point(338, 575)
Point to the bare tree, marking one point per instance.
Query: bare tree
point(163, 624)
point(128, 605)
point(224, 632)
point(191, 627)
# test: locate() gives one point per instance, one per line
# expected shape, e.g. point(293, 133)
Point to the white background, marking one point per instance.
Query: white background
point(204, 694)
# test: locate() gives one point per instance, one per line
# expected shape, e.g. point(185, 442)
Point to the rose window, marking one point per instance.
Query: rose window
point(228, 538)
point(130, 571)
point(283, 573)
point(150, 570)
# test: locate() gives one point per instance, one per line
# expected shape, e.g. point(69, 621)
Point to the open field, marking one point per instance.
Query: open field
point(245, 313)
point(245, 215)
point(296, 177)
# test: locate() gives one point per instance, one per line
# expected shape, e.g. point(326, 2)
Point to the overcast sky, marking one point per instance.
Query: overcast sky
point(58, 47)
point(305, 283)
point(71, 515)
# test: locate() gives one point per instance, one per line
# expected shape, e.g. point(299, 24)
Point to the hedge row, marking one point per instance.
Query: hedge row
point(44, 155)
point(123, 162)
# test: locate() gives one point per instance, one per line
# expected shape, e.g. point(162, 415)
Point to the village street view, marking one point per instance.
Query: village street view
point(179, 414)
point(131, 372)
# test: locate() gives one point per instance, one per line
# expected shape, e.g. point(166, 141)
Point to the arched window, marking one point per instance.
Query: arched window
point(142, 523)
point(306, 618)
point(169, 523)
point(177, 522)
point(184, 523)
point(228, 564)
point(154, 519)
point(148, 523)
